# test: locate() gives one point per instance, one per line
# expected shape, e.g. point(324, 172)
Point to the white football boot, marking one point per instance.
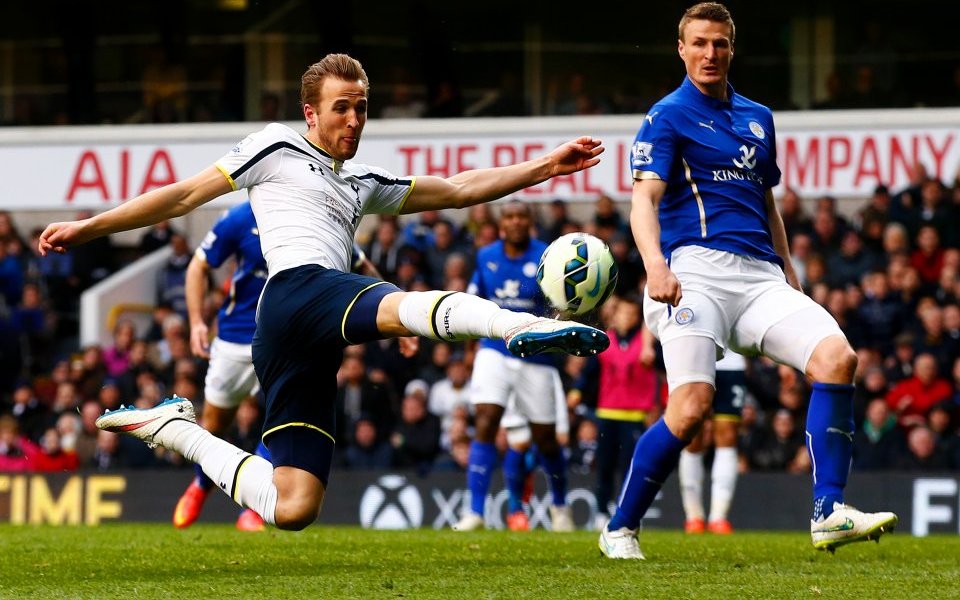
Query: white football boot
point(470, 521)
point(550, 335)
point(622, 543)
point(846, 525)
point(147, 423)
point(561, 519)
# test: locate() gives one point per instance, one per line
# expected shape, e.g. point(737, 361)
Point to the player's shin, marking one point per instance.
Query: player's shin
point(246, 478)
point(654, 457)
point(691, 475)
point(456, 316)
point(515, 475)
point(483, 461)
point(830, 443)
point(723, 478)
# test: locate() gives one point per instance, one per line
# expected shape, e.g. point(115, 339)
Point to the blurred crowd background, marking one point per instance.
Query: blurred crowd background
point(890, 276)
point(889, 270)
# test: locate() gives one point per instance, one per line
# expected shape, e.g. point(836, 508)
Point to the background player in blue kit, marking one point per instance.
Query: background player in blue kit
point(731, 392)
point(506, 274)
point(719, 276)
point(308, 200)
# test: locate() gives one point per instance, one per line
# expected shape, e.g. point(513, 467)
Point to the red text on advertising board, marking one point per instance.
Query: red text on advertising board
point(90, 175)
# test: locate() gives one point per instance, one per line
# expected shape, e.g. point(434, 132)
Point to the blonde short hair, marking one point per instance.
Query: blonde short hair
point(707, 11)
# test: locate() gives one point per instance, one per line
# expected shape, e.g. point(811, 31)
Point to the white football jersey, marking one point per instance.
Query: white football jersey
point(306, 203)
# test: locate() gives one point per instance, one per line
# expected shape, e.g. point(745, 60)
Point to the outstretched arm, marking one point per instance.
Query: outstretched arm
point(152, 207)
point(483, 185)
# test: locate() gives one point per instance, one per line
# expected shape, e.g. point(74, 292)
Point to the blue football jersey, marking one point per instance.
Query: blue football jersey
point(718, 159)
point(236, 234)
point(512, 284)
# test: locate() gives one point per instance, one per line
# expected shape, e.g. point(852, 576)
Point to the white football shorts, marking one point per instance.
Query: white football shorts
point(230, 374)
point(536, 389)
point(735, 301)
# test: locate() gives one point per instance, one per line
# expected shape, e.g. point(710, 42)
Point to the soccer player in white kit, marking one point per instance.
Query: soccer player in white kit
point(719, 276)
point(308, 200)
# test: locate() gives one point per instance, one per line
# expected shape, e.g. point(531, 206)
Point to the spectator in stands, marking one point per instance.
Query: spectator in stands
point(456, 273)
point(446, 99)
point(49, 455)
point(795, 219)
point(368, 450)
point(171, 278)
point(559, 219)
point(877, 209)
point(607, 220)
point(913, 397)
point(358, 397)
point(31, 415)
point(928, 258)
point(416, 437)
point(781, 448)
point(872, 385)
point(156, 237)
point(385, 249)
point(117, 356)
point(921, 452)
point(37, 326)
point(504, 100)
point(451, 391)
point(881, 311)
point(478, 215)
point(932, 337)
point(442, 246)
point(878, 443)
point(402, 103)
point(632, 274)
point(92, 262)
point(583, 454)
point(11, 278)
point(851, 261)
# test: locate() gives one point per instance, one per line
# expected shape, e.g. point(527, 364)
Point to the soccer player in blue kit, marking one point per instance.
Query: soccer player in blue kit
point(719, 276)
point(506, 274)
point(308, 199)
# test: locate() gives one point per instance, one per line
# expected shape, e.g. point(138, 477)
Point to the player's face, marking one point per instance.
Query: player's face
point(515, 225)
point(706, 51)
point(339, 117)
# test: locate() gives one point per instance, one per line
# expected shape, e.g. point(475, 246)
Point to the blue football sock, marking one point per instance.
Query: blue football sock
point(515, 475)
point(205, 483)
point(830, 443)
point(655, 456)
point(556, 470)
point(483, 460)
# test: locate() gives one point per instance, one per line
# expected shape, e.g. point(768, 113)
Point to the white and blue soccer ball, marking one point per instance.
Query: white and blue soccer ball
point(577, 273)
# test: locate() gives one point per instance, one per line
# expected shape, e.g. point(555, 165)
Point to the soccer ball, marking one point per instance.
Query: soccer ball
point(577, 273)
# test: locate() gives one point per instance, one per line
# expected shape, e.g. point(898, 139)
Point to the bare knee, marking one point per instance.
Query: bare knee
point(833, 361)
point(688, 406)
point(299, 498)
point(487, 422)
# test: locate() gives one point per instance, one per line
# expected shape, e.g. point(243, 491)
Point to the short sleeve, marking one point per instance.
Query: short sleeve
point(255, 159)
point(389, 191)
point(771, 178)
point(652, 154)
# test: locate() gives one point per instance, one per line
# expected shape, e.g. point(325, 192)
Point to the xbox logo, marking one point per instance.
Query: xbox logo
point(391, 503)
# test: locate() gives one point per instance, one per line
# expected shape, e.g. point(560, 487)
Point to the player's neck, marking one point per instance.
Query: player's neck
point(515, 250)
point(717, 91)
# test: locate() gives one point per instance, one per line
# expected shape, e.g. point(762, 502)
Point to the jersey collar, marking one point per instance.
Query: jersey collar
point(693, 93)
point(334, 164)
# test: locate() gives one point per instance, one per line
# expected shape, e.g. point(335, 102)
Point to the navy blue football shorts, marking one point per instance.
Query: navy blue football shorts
point(307, 315)
point(731, 393)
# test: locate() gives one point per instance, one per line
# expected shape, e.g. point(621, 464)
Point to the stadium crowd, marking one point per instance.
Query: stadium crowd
point(890, 275)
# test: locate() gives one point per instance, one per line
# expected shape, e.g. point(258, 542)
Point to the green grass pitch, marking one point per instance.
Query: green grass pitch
point(215, 561)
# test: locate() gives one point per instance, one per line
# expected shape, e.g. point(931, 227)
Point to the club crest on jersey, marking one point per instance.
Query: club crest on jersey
point(757, 130)
point(642, 153)
point(684, 316)
point(530, 269)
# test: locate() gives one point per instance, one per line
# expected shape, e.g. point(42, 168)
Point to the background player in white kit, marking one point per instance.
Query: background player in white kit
point(308, 201)
point(506, 274)
point(731, 385)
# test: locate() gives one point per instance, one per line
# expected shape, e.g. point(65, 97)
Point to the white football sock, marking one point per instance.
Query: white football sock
point(246, 478)
point(691, 474)
point(454, 316)
point(723, 478)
